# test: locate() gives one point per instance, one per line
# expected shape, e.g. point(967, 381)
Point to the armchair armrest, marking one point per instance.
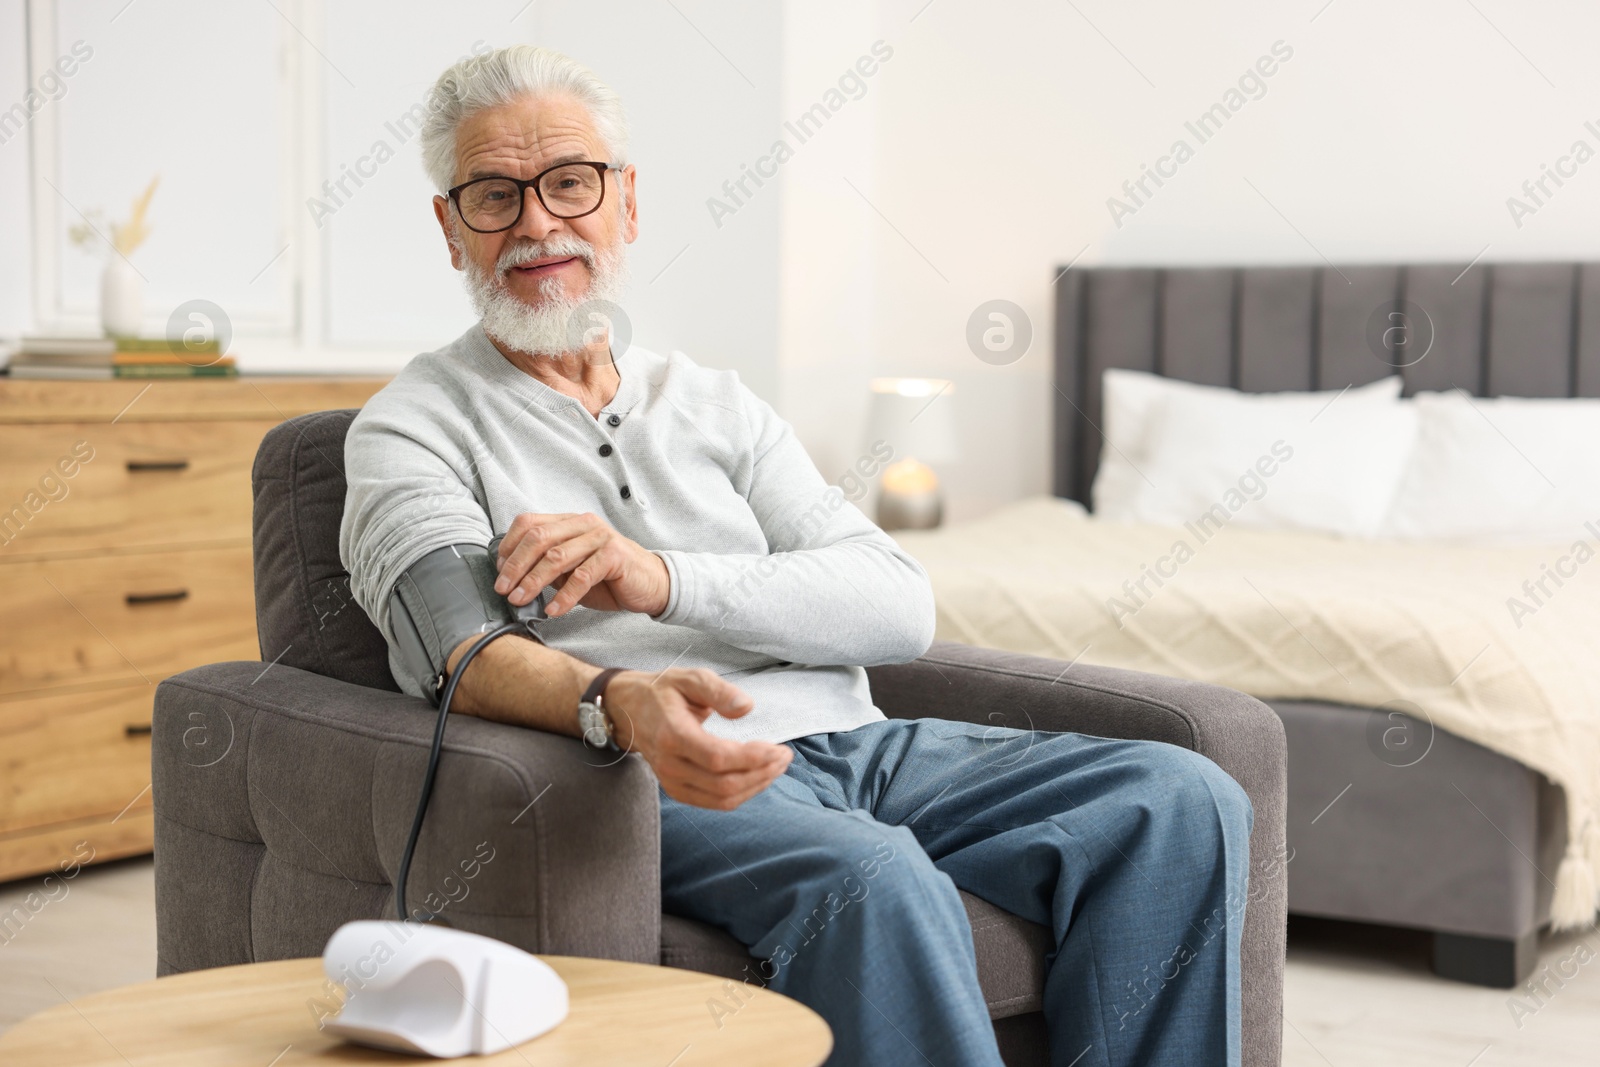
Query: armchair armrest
point(996, 688)
point(283, 800)
point(1237, 732)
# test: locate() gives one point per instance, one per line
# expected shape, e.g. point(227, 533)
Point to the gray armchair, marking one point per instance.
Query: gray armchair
point(284, 789)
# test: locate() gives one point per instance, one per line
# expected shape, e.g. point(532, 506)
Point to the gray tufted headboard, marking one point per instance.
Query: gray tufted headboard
point(1524, 329)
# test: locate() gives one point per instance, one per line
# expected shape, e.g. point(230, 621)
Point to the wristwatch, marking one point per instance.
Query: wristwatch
point(594, 722)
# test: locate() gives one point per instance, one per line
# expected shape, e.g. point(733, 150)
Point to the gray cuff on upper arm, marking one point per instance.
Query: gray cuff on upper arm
point(441, 600)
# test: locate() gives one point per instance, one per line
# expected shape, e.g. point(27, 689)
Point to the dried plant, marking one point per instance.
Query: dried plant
point(125, 237)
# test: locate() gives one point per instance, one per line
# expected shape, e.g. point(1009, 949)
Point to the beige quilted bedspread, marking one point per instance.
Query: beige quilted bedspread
point(1497, 645)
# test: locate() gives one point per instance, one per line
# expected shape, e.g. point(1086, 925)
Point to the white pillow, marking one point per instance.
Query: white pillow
point(1127, 400)
point(1504, 471)
point(1328, 461)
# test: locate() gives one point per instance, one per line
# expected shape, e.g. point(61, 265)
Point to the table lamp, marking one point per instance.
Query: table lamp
point(912, 416)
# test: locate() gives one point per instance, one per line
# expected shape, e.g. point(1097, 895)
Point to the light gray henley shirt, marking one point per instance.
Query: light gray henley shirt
point(779, 584)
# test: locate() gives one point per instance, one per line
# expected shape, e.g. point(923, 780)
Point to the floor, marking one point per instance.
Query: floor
point(1357, 995)
point(98, 932)
point(1354, 995)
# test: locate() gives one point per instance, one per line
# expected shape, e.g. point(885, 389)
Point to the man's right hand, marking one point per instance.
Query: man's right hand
point(659, 716)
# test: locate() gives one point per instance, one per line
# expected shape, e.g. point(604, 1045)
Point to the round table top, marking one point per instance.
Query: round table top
point(267, 1014)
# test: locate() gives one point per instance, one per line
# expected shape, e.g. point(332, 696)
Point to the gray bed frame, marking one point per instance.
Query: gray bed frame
point(1463, 842)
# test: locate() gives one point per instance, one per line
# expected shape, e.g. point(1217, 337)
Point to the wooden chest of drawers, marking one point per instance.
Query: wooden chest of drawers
point(124, 558)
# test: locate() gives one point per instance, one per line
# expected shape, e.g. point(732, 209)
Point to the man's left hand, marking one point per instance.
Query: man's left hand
point(603, 569)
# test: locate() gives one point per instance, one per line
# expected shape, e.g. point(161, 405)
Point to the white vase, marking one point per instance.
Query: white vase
point(121, 298)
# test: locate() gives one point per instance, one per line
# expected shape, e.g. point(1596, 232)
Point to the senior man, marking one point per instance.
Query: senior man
point(680, 533)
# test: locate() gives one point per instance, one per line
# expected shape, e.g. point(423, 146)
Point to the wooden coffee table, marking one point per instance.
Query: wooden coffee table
point(266, 1014)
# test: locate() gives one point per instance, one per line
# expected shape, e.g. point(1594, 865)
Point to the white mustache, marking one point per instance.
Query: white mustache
point(566, 245)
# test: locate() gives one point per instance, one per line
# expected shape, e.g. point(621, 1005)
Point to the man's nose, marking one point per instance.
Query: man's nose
point(536, 223)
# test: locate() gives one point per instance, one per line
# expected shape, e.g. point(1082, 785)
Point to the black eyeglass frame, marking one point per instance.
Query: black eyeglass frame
point(523, 184)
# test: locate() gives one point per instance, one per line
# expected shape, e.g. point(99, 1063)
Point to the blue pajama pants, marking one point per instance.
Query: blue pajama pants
point(842, 877)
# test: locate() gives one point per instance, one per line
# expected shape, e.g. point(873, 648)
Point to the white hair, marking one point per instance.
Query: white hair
point(501, 76)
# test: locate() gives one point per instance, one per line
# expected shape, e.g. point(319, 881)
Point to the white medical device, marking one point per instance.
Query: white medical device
point(437, 991)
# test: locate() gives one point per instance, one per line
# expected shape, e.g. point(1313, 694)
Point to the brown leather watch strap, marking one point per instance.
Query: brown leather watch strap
point(595, 694)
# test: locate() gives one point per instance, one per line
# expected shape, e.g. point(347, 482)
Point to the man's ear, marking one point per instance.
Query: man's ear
point(630, 222)
point(441, 211)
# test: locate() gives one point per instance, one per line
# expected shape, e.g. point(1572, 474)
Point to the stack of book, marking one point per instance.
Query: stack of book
point(86, 356)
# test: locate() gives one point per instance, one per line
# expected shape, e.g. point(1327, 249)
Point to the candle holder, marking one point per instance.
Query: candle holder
point(912, 417)
point(910, 498)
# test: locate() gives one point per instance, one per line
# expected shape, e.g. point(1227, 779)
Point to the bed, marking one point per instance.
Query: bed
point(1478, 825)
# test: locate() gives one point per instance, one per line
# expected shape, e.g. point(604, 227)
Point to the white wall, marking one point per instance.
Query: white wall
point(372, 283)
point(828, 317)
point(1395, 132)
point(712, 293)
point(701, 82)
point(146, 103)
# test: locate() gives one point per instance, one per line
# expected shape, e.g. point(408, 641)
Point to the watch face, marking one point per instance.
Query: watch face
point(595, 727)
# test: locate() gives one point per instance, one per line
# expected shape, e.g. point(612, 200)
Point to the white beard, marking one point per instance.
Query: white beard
point(546, 328)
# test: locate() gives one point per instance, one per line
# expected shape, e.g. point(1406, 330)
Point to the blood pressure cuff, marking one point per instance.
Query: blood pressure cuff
point(443, 599)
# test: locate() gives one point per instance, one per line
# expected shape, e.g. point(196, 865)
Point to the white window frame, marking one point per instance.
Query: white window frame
point(294, 337)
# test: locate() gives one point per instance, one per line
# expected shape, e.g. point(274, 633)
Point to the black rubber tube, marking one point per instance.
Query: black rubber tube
point(433, 762)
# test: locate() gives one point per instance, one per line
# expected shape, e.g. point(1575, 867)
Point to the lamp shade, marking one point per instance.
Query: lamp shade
point(913, 416)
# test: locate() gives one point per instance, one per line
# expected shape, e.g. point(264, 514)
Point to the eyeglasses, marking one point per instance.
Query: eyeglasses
point(566, 191)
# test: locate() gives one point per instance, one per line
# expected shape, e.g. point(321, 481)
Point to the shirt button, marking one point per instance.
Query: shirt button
point(605, 450)
point(615, 420)
point(626, 492)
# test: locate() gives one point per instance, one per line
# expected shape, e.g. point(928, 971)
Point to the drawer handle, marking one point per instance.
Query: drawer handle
point(134, 599)
point(158, 465)
point(137, 729)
